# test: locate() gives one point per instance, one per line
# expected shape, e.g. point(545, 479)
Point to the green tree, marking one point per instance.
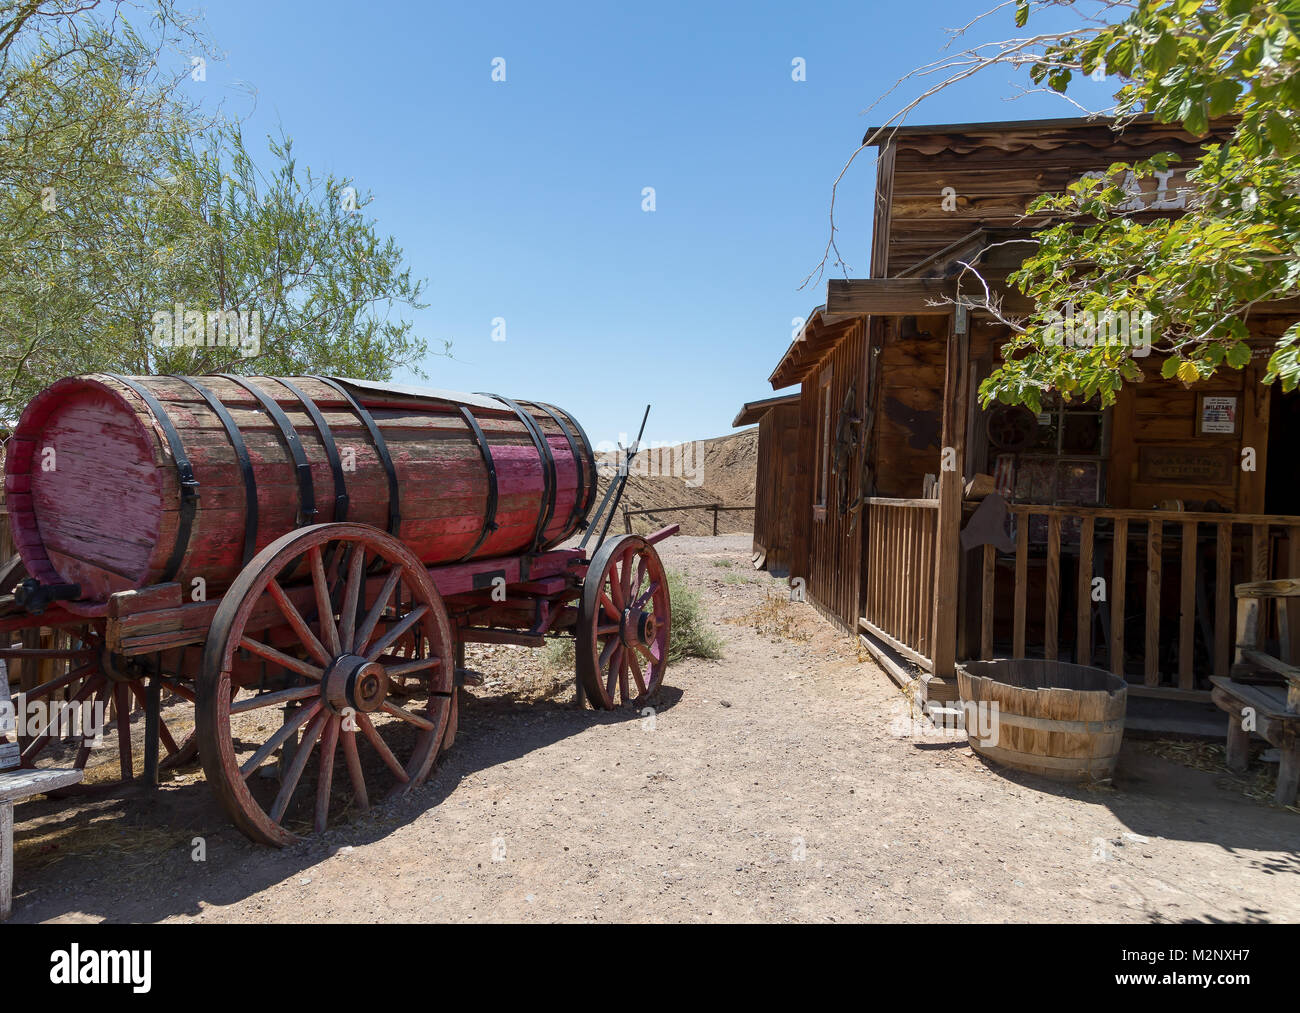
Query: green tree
point(125, 206)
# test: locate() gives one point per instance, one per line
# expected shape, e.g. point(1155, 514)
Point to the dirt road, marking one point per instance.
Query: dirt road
point(780, 783)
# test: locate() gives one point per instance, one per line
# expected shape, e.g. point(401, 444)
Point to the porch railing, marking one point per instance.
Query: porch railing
point(1146, 592)
point(898, 601)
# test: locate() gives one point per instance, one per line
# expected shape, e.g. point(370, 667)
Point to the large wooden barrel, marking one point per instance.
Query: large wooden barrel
point(116, 483)
point(1053, 719)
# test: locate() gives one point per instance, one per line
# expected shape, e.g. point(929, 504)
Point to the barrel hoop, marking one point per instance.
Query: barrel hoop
point(490, 513)
point(548, 467)
point(306, 493)
point(331, 448)
point(381, 448)
point(189, 485)
point(1052, 725)
point(241, 455)
point(591, 457)
point(1013, 756)
point(576, 513)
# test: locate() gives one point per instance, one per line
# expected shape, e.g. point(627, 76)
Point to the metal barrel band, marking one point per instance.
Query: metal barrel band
point(241, 455)
point(381, 448)
point(547, 510)
point(306, 492)
point(577, 512)
point(586, 446)
point(331, 448)
point(490, 513)
point(189, 485)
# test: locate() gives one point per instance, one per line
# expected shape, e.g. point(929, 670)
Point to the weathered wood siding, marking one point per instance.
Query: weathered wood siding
point(775, 515)
point(993, 175)
point(834, 539)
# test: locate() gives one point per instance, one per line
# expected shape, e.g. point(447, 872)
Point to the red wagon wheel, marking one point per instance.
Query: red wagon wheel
point(65, 723)
point(623, 623)
point(318, 657)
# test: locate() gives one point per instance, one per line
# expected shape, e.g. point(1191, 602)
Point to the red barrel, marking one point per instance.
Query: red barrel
point(116, 483)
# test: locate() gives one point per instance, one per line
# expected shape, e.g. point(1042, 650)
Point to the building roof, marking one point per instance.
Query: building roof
point(752, 411)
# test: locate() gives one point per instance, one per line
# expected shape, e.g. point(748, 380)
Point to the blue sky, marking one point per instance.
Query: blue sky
point(523, 199)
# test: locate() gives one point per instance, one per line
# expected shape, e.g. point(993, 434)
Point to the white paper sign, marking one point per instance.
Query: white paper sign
point(1218, 414)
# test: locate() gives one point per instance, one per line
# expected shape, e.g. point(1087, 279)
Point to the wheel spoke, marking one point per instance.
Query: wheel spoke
point(401, 668)
point(415, 719)
point(324, 605)
point(352, 596)
point(355, 773)
point(381, 747)
point(325, 782)
point(273, 699)
point(280, 658)
point(608, 606)
point(622, 674)
point(615, 585)
point(299, 718)
point(646, 595)
point(294, 774)
point(372, 617)
point(300, 627)
point(636, 671)
point(616, 659)
point(389, 638)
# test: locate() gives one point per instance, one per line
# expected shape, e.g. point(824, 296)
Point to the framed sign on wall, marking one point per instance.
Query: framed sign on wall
point(1217, 415)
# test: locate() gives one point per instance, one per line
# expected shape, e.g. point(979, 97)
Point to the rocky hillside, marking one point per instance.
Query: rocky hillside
point(721, 470)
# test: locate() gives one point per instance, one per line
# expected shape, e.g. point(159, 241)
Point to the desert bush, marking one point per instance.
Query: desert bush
point(690, 636)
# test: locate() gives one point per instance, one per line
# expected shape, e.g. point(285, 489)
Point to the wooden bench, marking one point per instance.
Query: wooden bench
point(1273, 710)
point(15, 786)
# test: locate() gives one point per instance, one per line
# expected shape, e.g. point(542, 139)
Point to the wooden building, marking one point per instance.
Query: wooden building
point(778, 447)
point(1124, 529)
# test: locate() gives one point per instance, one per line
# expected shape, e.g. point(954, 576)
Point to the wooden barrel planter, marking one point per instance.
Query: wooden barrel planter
point(1056, 720)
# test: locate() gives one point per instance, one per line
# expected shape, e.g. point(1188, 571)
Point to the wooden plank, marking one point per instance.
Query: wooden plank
point(1022, 584)
point(1293, 614)
point(1187, 610)
point(854, 297)
point(1052, 612)
point(6, 859)
point(1083, 632)
point(1222, 596)
point(17, 785)
point(896, 645)
point(986, 605)
point(1118, 591)
point(1155, 535)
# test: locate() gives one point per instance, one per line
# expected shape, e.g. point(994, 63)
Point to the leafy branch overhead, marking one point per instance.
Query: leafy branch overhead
point(1235, 65)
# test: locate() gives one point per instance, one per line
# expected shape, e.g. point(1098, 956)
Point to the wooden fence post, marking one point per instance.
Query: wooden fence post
point(952, 452)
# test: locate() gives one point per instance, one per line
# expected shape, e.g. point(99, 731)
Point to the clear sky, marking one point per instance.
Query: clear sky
point(523, 200)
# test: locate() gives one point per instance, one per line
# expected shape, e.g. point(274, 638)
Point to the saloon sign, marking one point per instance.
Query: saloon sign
point(1160, 191)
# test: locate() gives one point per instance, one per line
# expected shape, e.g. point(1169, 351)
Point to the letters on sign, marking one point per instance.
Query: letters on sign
point(1169, 192)
point(1194, 465)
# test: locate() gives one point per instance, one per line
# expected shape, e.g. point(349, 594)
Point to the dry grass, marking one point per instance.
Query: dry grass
point(1258, 783)
point(776, 619)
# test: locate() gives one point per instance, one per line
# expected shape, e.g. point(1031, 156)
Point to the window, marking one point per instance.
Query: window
point(822, 486)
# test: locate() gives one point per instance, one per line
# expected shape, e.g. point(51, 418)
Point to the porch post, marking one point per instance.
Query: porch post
point(951, 483)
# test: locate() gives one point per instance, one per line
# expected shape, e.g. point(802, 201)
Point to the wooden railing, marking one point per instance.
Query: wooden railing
point(898, 600)
point(1193, 554)
point(715, 507)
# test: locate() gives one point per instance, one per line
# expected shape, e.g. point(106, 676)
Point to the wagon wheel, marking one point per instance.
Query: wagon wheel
point(334, 665)
point(623, 623)
point(77, 681)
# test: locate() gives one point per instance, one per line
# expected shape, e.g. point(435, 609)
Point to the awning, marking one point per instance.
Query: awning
point(755, 410)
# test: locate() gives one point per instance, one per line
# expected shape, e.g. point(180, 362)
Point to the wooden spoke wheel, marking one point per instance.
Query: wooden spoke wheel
point(68, 682)
point(313, 639)
point(623, 623)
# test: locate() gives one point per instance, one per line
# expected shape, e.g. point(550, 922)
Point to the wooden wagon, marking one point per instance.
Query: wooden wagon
point(303, 560)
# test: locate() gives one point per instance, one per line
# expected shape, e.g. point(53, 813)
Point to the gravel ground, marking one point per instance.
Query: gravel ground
point(783, 782)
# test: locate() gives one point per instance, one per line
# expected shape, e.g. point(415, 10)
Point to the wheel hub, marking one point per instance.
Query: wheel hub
point(351, 681)
point(637, 627)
